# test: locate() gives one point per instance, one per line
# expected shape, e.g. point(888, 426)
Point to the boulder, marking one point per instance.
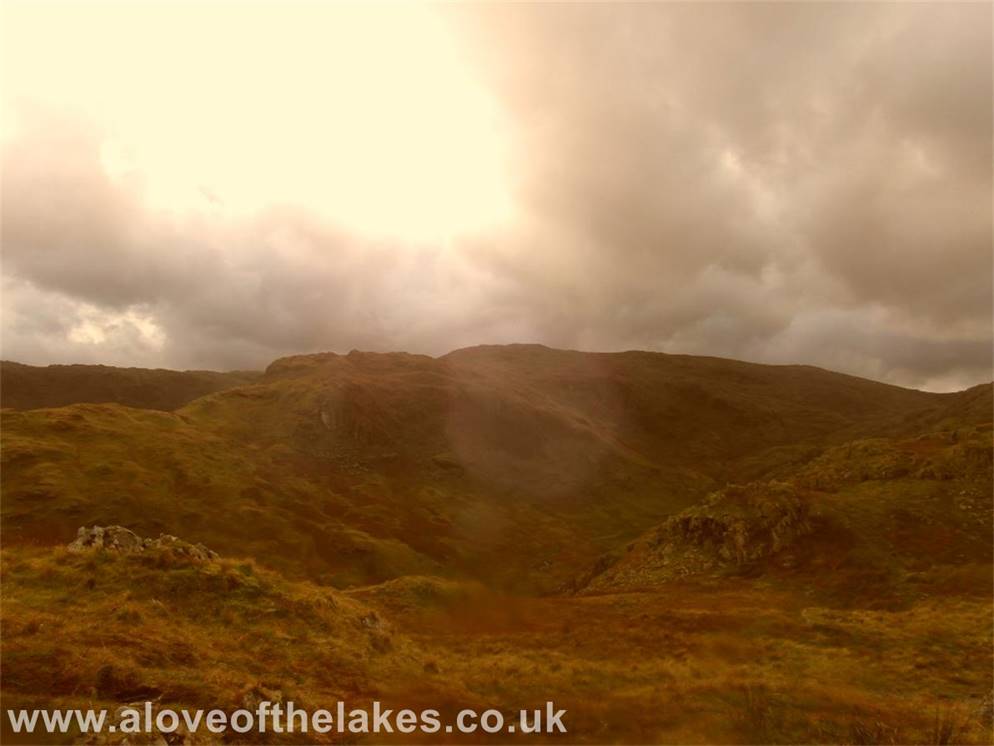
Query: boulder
point(120, 539)
point(117, 538)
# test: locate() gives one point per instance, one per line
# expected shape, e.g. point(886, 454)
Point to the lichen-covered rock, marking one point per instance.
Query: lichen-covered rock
point(120, 539)
point(111, 537)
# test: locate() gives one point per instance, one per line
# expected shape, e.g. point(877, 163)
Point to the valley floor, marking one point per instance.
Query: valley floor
point(734, 662)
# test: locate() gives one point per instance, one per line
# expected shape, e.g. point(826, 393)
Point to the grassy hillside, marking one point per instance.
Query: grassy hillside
point(33, 387)
point(877, 522)
point(517, 465)
point(724, 552)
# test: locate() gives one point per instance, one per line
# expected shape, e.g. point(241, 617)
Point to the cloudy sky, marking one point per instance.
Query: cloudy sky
point(213, 186)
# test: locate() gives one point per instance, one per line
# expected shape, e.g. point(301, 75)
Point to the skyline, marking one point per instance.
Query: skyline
point(786, 184)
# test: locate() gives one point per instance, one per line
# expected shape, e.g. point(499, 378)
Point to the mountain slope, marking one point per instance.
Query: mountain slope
point(518, 465)
point(728, 553)
point(33, 387)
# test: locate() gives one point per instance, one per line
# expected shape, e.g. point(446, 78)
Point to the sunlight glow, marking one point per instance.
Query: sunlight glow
point(363, 113)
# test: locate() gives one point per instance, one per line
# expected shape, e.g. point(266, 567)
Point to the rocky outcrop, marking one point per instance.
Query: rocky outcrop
point(734, 527)
point(120, 539)
point(117, 538)
point(740, 524)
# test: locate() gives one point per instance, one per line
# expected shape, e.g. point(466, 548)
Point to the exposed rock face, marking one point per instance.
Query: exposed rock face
point(740, 524)
point(736, 526)
point(120, 539)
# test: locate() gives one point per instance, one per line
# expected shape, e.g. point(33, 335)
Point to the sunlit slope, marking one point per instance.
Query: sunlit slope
point(515, 464)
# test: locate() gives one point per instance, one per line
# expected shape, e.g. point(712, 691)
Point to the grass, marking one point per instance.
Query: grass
point(702, 660)
point(477, 532)
point(101, 629)
point(712, 663)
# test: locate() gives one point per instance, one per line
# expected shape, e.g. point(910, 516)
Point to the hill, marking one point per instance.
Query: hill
point(876, 523)
point(674, 549)
point(517, 465)
point(33, 387)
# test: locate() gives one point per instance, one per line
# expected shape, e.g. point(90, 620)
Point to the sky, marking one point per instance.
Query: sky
point(216, 185)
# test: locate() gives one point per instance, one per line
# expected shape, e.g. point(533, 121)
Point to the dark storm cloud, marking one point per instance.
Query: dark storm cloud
point(784, 183)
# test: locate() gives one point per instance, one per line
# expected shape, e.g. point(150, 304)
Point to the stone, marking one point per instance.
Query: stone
point(120, 539)
point(117, 538)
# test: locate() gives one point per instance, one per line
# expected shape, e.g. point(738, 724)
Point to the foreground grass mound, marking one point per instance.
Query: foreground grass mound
point(102, 628)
